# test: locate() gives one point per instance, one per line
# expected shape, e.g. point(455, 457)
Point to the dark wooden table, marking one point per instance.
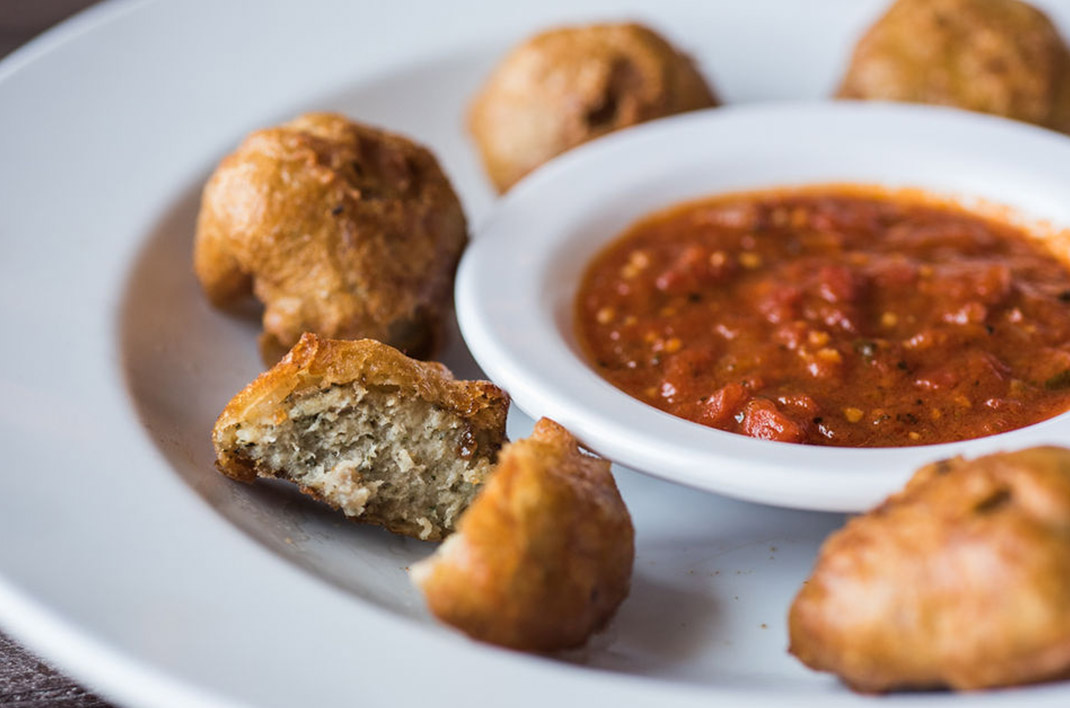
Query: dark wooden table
point(25, 680)
point(28, 682)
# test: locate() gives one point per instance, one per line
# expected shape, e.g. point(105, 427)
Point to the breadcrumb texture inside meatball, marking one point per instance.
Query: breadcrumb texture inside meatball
point(384, 438)
point(569, 85)
point(543, 557)
point(339, 228)
point(961, 580)
point(1003, 57)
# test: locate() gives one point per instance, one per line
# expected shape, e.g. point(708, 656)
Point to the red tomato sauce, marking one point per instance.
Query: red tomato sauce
point(842, 316)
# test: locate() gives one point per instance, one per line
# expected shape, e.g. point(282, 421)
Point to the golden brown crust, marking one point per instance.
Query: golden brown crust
point(962, 580)
point(1003, 57)
point(318, 364)
point(569, 85)
point(338, 228)
point(543, 556)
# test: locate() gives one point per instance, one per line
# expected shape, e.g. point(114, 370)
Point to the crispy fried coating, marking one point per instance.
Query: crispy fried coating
point(543, 557)
point(570, 85)
point(338, 228)
point(1002, 57)
point(387, 439)
point(961, 580)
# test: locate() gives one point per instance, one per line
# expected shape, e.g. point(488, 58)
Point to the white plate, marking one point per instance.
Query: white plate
point(517, 284)
point(127, 559)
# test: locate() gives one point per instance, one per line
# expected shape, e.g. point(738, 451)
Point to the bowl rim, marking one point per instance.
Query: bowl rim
point(513, 280)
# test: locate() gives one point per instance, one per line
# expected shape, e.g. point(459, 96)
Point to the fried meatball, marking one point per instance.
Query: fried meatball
point(387, 439)
point(570, 85)
point(961, 580)
point(339, 228)
point(543, 556)
point(994, 56)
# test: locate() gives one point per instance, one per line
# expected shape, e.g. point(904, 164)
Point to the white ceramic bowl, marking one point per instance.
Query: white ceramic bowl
point(517, 282)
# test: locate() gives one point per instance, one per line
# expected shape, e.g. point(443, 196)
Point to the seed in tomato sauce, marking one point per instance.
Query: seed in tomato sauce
point(842, 316)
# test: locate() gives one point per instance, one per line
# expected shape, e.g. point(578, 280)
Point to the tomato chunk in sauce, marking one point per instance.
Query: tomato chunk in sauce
point(841, 316)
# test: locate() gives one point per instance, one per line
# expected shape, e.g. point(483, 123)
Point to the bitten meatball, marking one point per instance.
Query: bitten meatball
point(384, 438)
point(570, 85)
point(339, 228)
point(994, 56)
point(543, 556)
point(961, 580)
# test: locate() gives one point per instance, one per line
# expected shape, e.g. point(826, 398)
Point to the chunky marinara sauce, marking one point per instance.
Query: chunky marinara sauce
point(842, 316)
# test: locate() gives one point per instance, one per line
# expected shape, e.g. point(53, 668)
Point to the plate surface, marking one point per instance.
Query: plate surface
point(517, 284)
point(128, 560)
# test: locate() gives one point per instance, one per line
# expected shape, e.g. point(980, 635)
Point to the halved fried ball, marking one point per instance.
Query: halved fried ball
point(543, 556)
point(570, 85)
point(339, 228)
point(387, 439)
point(994, 56)
point(961, 580)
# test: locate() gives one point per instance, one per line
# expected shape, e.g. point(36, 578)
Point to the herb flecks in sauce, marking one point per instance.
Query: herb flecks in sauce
point(837, 317)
